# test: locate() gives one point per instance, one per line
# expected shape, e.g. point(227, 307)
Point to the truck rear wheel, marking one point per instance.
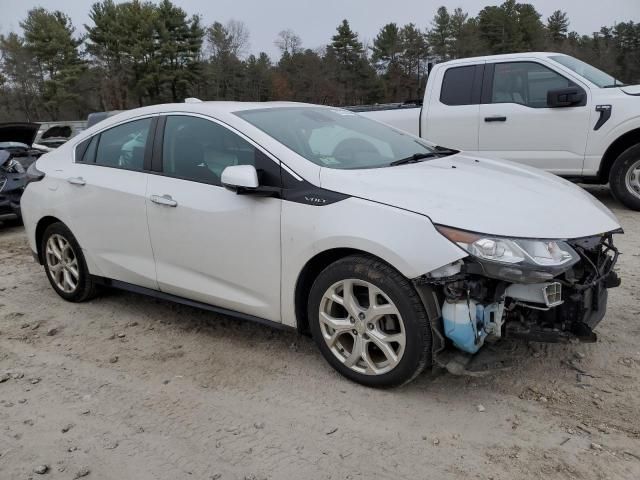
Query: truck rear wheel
point(624, 178)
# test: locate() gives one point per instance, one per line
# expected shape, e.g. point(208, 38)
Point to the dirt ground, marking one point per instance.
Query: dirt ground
point(129, 387)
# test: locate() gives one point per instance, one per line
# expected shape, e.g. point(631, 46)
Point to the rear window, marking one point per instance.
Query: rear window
point(457, 86)
point(124, 146)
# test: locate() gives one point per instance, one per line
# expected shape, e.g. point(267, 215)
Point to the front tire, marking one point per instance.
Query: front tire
point(65, 265)
point(624, 178)
point(369, 322)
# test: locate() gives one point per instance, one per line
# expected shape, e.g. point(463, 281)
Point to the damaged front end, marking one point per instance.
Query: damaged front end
point(539, 290)
point(13, 180)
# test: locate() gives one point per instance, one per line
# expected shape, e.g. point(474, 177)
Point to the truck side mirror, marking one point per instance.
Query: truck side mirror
point(565, 97)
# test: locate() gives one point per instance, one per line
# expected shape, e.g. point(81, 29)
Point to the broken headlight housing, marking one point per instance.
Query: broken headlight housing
point(516, 260)
point(13, 166)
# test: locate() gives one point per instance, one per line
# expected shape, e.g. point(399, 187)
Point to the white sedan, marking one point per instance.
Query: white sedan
point(390, 251)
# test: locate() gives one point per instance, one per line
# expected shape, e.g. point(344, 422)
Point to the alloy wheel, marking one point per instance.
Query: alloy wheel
point(632, 179)
point(362, 327)
point(62, 263)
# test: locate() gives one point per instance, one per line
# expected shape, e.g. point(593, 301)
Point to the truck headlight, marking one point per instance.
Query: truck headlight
point(514, 259)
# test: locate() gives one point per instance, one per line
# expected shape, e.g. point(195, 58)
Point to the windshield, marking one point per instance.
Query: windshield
point(591, 73)
point(336, 138)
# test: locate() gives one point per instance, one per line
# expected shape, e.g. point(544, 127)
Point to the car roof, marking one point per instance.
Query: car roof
point(506, 56)
point(213, 108)
point(222, 110)
point(210, 107)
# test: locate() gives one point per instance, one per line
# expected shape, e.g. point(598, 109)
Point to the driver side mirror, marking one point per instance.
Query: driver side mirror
point(240, 178)
point(565, 97)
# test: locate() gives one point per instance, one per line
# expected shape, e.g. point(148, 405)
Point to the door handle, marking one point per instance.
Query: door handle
point(76, 181)
point(165, 200)
point(495, 119)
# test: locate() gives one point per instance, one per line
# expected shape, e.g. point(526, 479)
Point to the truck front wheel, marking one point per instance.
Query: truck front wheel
point(624, 178)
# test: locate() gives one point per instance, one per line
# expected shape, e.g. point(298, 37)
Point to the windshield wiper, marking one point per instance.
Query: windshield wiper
point(446, 151)
point(415, 158)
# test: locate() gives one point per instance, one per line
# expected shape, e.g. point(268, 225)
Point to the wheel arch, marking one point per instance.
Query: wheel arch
point(621, 144)
point(310, 272)
point(42, 225)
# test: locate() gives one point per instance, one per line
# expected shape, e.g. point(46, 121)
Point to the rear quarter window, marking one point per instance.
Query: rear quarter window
point(457, 86)
point(86, 150)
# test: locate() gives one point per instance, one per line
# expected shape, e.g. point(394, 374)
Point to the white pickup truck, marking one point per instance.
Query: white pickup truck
point(546, 110)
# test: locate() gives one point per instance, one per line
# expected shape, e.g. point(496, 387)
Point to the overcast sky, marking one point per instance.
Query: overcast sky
point(315, 21)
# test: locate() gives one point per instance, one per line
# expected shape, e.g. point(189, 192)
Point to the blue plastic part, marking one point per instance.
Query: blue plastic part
point(465, 324)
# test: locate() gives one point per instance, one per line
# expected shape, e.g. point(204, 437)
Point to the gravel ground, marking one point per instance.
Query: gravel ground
point(129, 387)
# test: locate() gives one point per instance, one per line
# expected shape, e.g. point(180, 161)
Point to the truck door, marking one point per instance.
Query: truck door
point(450, 115)
point(516, 124)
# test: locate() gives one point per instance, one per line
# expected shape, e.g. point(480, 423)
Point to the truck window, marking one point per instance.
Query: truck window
point(525, 83)
point(457, 86)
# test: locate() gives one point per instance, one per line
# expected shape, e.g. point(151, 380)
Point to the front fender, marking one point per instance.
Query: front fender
point(405, 240)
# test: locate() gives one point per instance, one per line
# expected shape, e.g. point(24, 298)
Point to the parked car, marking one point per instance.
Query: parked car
point(96, 117)
point(389, 251)
point(546, 110)
point(52, 135)
point(16, 155)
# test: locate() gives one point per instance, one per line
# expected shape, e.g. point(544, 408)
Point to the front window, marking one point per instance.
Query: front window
point(335, 138)
point(199, 150)
point(591, 73)
point(525, 83)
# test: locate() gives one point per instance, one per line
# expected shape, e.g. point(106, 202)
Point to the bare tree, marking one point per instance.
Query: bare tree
point(288, 42)
point(230, 39)
point(238, 36)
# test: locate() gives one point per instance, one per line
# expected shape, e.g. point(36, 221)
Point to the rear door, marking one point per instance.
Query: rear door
point(450, 116)
point(210, 244)
point(516, 124)
point(106, 186)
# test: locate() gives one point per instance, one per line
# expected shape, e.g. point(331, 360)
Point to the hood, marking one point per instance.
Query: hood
point(631, 90)
point(481, 195)
point(19, 132)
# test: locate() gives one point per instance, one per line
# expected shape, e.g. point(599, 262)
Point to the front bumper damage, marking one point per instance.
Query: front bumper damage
point(11, 189)
point(475, 309)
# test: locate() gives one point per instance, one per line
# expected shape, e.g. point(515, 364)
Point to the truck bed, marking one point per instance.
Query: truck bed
point(404, 116)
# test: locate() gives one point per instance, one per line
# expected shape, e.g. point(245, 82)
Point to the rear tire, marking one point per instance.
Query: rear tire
point(624, 178)
point(65, 265)
point(369, 322)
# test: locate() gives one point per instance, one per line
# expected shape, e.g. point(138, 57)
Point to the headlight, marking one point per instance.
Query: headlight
point(514, 259)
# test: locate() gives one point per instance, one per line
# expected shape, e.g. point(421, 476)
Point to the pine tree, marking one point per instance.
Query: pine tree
point(557, 26)
point(440, 34)
point(387, 47)
point(415, 51)
point(49, 37)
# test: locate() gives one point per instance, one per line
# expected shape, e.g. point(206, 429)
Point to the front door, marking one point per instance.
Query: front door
point(516, 124)
point(210, 244)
